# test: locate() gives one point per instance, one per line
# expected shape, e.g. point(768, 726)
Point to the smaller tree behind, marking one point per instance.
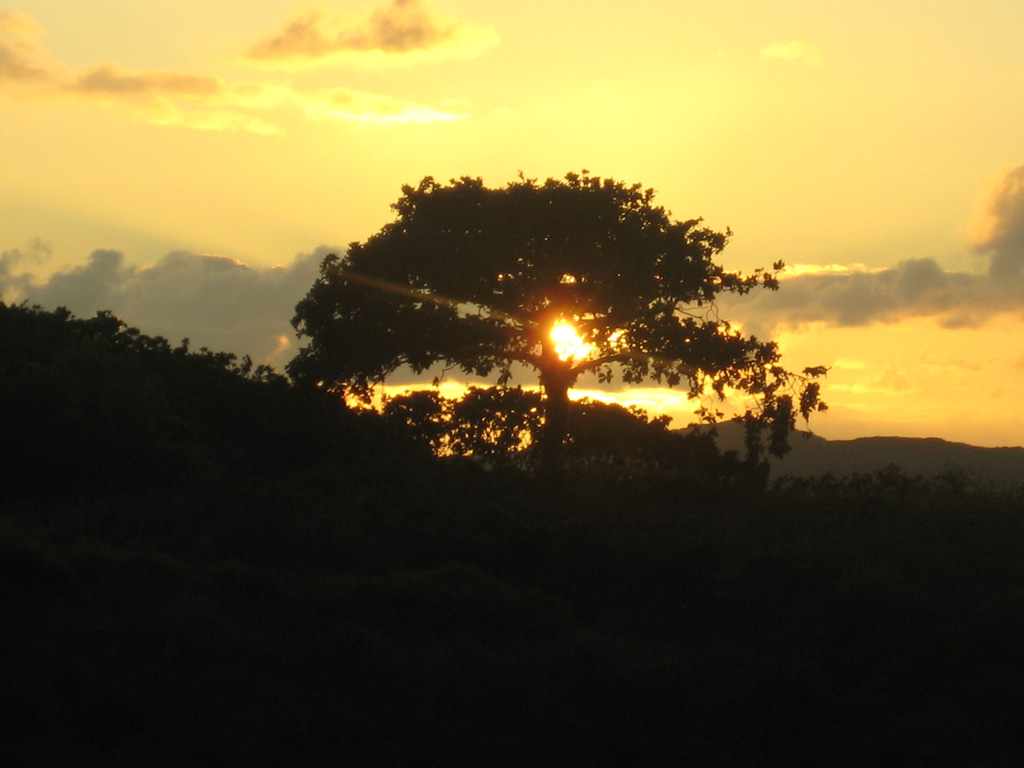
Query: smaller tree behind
point(493, 423)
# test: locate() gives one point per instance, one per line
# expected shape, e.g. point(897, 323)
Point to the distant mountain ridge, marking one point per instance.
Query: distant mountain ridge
point(813, 455)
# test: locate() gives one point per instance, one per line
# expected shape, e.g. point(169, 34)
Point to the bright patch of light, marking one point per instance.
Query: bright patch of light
point(568, 344)
point(799, 270)
point(796, 50)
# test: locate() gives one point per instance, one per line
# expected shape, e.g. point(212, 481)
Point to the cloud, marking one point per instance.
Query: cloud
point(22, 58)
point(913, 288)
point(358, 106)
point(998, 225)
point(108, 79)
point(796, 50)
point(226, 305)
point(207, 103)
point(404, 32)
point(90, 288)
point(195, 101)
point(174, 98)
point(856, 296)
point(13, 279)
point(214, 301)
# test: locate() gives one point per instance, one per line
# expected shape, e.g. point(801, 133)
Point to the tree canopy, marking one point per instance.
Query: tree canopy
point(566, 276)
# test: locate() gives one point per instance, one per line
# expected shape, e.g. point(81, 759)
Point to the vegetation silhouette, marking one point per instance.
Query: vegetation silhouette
point(205, 565)
point(565, 277)
point(99, 407)
point(494, 424)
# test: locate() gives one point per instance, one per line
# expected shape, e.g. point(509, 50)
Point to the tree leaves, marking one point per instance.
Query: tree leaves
point(476, 278)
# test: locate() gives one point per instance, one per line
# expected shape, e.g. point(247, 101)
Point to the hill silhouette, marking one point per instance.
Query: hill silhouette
point(812, 455)
point(204, 565)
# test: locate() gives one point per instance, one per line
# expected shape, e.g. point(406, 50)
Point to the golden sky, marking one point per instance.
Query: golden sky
point(186, 164)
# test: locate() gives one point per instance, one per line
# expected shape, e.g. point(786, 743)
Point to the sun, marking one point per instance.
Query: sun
point(568, 344)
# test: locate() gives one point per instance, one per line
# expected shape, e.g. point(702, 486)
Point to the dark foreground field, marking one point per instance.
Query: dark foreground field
point(219, 573)
point(412, 626)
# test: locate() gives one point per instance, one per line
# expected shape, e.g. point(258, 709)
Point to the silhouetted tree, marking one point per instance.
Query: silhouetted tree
point(565, 277)
point(604, 441)
point(494, 423)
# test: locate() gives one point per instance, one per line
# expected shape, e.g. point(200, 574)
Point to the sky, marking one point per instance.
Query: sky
point(187, 165)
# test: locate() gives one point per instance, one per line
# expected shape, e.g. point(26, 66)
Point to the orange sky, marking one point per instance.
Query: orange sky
point(185, 164)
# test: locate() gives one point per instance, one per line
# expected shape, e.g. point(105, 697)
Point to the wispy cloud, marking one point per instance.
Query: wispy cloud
point(892, 379)
point(794, 50)
point(203, 102)
point(208, 103)
point(404, 32)
point(186, 99)
point(110, 80)
point(358, 106)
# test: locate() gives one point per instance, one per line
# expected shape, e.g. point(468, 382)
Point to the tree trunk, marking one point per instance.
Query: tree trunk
point(556, 382)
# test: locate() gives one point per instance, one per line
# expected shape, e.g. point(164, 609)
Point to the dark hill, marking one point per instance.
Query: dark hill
point(203, 565)
point(812, 455)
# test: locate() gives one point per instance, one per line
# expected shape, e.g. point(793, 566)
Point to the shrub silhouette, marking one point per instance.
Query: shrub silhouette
point(94, 406)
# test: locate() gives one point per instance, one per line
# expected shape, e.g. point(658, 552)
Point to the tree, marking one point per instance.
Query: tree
point(566, 277)
point(607, 444)
point(487, 422)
